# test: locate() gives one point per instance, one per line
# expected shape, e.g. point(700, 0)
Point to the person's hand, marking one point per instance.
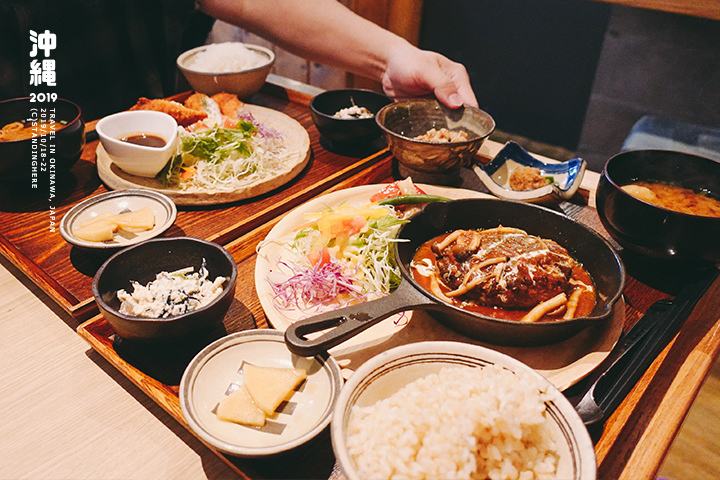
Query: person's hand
point(412, 72)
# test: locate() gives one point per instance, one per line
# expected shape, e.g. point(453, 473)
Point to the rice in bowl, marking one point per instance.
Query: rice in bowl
point(226, 57)
point(483, 423)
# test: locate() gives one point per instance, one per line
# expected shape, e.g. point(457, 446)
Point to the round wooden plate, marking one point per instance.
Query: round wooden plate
point(297, 141)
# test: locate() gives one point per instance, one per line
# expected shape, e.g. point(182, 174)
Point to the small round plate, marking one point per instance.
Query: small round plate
point(217, 370)
point(296, 140)
point(116, 202)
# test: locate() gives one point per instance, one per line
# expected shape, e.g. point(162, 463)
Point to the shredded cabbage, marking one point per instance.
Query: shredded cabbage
point(361, 265)
point(224, 159)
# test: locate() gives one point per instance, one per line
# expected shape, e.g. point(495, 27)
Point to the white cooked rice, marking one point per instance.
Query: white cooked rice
point(479, 423)
point(225, 58)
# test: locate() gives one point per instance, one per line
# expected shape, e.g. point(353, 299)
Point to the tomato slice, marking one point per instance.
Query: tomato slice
point(319, 258)
point(393, 190)
point(389, 191)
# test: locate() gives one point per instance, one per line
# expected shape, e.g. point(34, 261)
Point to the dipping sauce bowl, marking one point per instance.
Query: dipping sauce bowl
point(117, 133)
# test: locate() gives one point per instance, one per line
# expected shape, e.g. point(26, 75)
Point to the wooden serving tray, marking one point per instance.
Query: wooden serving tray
point(158, 373)
point(29, 225)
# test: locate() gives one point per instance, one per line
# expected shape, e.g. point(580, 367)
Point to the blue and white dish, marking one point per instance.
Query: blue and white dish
point(565, 176)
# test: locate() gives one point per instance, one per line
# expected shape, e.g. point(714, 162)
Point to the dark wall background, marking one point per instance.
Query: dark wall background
point(651, 63)
point(109, 53)
point(579, 74)
point(531, 62)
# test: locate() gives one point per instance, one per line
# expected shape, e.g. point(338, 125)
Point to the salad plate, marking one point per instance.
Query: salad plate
point(564, 363)
point(296, 154)
point(275, 251)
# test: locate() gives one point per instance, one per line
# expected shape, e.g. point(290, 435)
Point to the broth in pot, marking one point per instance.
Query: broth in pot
point(675, 198)
point(15, 131)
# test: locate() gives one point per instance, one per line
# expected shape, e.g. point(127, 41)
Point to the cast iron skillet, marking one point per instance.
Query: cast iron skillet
point(589, 248)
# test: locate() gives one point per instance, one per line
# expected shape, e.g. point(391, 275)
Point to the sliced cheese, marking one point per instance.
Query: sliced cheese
point(238, 407)
point(269, 386)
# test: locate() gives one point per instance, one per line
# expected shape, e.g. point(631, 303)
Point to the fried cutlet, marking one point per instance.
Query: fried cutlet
point(197, 101)
point(183, 116)
point(229, 104)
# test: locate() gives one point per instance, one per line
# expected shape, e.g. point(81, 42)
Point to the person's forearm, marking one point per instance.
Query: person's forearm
point(324, 31)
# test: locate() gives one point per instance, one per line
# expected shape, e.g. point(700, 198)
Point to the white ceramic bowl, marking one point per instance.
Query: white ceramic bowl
point(388, 372)
point(244, 83)
point(138, 159)
point(217, 370)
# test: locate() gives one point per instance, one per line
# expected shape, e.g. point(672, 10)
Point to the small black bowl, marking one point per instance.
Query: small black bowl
point(141, 263)
point(324, 106)
point(21, 160)
point(651, 231)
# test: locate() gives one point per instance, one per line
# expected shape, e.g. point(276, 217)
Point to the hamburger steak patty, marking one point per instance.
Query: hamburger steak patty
point(503, 267)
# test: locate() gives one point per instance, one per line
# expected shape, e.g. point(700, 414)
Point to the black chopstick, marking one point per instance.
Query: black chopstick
point(638, 349)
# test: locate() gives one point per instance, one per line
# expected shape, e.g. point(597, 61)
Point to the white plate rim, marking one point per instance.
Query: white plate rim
point(328, 366)
point(465, 355)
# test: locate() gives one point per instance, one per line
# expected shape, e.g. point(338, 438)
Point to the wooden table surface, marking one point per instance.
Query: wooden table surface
point(68, 413)
point(704, 9)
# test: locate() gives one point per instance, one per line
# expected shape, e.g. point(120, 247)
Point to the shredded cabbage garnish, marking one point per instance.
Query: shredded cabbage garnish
point(354, 263)
point(226, 158)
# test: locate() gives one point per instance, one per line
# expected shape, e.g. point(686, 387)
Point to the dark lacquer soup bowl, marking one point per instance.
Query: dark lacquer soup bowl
point(42, 148)
point(651, 230)
point(595, 254)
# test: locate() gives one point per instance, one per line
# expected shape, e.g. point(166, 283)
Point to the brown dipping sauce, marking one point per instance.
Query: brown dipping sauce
point(424, 254)
point(145, 140)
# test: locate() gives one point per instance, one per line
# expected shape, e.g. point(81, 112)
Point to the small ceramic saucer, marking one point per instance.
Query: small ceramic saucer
point(217, 371)
point(565, 176)
point(115, 202)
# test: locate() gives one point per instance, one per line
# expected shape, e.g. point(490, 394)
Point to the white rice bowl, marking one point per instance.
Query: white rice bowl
point(225, 57)
point(447, 410)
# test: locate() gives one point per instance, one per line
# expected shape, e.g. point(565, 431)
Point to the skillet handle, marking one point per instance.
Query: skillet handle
point(349, 321)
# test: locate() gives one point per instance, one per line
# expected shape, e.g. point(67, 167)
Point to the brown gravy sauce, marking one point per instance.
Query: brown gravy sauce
point(145, 140)
point(585, 306)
